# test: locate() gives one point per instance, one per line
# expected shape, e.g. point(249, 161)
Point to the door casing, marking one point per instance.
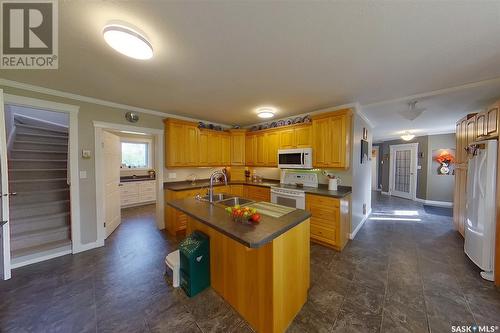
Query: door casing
point(413, 171)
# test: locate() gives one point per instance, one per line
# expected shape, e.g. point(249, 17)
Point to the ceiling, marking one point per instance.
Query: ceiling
point(219, 60)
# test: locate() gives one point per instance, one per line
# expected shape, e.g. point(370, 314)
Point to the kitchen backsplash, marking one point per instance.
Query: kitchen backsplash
point(183, 173)
point(274, 173)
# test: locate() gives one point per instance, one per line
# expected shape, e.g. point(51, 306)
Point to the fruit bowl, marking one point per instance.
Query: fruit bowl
point(244, 215)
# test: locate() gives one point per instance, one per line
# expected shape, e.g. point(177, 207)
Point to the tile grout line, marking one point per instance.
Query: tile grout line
point(429, 329)
point(385, 292)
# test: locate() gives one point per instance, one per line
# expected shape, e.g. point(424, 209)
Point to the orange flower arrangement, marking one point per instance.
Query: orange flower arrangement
point(445, 157)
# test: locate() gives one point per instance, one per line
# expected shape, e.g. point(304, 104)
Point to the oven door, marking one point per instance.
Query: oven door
point(289, 200)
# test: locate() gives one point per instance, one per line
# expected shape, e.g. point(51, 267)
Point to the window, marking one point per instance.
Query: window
point(135, 155)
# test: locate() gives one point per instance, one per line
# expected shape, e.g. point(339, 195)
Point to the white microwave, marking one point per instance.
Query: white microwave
point(299, 158)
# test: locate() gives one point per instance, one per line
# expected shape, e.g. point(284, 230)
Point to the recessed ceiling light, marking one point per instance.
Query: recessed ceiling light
point(407, 136)
point(266, 112)
point(127, 41)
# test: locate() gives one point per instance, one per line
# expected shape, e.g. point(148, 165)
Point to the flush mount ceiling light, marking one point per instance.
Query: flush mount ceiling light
point(266, 112)
point(407, 136)
point(127, 41)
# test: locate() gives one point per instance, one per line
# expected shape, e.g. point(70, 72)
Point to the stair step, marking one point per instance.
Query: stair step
point(26, 174)
point(48, 138)
point(28, 197)
point(37, 154)
point(36, 163)
point(44, 146)
point(27, 185)
point(36, 218)
point(21, 211)
point(17, 255)
point(41, 143)
point(38, 129)
point(39, 237)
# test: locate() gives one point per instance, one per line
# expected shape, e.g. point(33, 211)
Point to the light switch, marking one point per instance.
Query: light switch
point(86, 154)
point(83, 174)
point(419, 167)
point(172, 175)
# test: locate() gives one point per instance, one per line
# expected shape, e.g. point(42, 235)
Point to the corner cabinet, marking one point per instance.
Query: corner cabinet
point(331, 139)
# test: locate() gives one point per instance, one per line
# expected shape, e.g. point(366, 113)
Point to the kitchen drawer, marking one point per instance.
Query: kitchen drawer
point(322, 212)
point(148, 197)
point(130, 188)
point(144, 186)
point(130, 200)
point(326, 223)
point(320, 200)
point(143, 191)
point(324, 233)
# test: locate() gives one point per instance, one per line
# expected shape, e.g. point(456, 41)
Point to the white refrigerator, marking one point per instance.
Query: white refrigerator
point(481, 220)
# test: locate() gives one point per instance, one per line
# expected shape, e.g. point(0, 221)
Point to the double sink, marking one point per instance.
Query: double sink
point(227, 200)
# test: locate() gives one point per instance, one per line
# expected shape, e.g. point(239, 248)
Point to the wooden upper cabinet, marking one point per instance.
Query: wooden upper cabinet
point(331, 139)
point(480, 126)
point(303, 136)
point(250, 149)
point(272, 143)
point(226, 149)
point(181, 143)
point(203, 148)
point(286, 138)
point(237, 147)
point(261, 153)
point(321, 137)
point(470, 131)
point(492, 120)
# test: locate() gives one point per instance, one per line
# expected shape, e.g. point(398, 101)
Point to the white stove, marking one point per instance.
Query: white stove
point(290, 192)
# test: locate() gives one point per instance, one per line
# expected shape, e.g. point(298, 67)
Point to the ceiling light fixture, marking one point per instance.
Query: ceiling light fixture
point(266, 112)
point(127, 41)
point(407, 136)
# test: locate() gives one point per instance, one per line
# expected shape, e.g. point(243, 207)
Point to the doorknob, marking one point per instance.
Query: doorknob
point(7, 194)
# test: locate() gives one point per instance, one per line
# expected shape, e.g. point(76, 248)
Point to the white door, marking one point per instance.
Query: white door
point(374, 161)
point(4, 197)
point(112, 160)
point(403, 168)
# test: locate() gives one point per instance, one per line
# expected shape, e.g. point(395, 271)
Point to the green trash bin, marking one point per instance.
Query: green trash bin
point(195, 263)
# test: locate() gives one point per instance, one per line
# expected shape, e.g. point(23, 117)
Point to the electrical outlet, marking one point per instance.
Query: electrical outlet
point(86, 154)
point(172, 175)
point(83, 174)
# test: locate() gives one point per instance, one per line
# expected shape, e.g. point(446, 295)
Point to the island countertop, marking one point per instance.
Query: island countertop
point(250, 235)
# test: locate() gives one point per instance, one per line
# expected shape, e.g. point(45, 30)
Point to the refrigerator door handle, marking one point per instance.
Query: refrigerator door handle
point(480, 169)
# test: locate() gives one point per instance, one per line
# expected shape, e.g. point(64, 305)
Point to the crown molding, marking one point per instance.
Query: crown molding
point(92, 100)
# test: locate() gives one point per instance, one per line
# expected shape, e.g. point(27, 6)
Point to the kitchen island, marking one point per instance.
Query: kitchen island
point(262, 270)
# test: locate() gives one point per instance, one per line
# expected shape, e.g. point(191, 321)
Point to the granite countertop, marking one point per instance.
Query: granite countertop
point(252, 236)
point(322, 189)
point(128, 179)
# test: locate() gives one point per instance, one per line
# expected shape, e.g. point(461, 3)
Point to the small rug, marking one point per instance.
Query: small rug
point(442, 211)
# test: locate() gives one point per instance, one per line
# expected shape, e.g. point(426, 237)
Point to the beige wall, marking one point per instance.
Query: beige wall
point(88, 113)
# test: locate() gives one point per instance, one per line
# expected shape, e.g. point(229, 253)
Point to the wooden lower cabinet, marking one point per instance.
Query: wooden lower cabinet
point(329, 221)
point(257, 193)
point(237, 190)
point(175, 220)
point(268, 285)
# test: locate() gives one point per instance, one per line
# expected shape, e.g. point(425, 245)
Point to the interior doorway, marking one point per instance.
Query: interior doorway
point(403, 170)
point(40, 190)
point(129, 174)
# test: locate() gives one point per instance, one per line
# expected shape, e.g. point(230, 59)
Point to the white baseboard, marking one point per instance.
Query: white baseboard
point(38, 257)
point(384, 193)
point(435, 203)
point(87, 246)
point(353, 234)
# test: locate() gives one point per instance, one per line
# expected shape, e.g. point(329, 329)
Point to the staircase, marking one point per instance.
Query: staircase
point(40, 211)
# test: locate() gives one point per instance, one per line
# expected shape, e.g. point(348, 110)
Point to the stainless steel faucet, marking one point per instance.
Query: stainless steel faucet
point(212, 177)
